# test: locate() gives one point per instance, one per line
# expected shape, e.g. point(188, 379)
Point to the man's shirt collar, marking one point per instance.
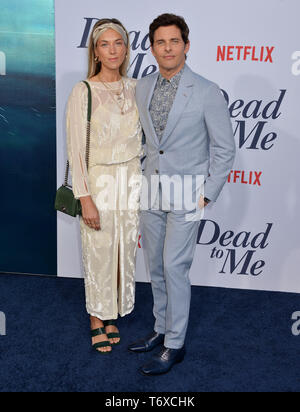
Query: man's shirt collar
point(174, 81)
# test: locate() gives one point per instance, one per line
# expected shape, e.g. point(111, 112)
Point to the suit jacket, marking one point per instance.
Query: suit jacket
point(198, 139)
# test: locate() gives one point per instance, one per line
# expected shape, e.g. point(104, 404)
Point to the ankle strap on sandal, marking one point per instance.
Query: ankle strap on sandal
point(111, 322)
point(98, 332)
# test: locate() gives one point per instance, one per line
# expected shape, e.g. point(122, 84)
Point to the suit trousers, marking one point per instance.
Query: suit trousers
point(169, 243)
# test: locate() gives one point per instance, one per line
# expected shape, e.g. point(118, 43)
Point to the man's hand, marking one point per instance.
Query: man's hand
point(90, 213)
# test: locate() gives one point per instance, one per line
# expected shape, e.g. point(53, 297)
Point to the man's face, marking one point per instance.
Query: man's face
point(169, 48)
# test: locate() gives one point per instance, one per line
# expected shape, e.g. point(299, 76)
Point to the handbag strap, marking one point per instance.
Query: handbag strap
point(88, 135)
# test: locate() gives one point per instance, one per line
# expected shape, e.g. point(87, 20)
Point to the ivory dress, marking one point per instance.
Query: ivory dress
point(114, 182)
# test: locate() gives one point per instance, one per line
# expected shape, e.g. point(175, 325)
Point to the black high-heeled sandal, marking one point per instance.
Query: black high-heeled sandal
point(112, 334)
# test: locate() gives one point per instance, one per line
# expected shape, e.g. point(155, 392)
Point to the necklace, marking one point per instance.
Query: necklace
point(117, 95)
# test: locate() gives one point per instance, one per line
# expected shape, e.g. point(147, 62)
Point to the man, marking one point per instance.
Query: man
point(188, 132)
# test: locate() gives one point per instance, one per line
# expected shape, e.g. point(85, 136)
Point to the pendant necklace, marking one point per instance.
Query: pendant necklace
point(117, 95)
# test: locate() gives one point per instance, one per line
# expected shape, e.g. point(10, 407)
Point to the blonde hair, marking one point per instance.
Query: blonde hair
point(95, 67)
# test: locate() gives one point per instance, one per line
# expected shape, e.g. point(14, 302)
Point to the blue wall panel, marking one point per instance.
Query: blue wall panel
point(27, 137)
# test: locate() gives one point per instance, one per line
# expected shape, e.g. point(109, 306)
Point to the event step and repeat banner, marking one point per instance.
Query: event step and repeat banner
point(249, 238)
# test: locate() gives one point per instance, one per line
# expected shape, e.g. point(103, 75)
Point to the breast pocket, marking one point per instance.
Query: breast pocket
point(192, 114)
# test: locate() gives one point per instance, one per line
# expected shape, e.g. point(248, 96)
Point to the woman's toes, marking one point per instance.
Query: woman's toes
point(105, 349)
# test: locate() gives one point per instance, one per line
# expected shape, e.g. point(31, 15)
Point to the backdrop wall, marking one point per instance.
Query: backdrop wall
point(27, 137)
point(249, 238)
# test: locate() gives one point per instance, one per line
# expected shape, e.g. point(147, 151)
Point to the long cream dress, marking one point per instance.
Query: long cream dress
point(114, 182)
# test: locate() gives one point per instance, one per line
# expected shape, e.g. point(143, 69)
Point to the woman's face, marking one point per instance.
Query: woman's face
point(111, 50)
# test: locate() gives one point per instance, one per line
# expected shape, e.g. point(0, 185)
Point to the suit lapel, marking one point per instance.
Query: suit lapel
point(148, 119)
point(183, 95)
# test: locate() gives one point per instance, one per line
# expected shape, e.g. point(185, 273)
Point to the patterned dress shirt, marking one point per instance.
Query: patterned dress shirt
point(162, 101)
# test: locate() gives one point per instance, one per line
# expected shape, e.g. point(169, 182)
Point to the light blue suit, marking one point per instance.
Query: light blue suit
point(198, 140)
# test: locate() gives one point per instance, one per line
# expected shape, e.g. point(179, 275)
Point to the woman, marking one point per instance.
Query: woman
point(109, 190)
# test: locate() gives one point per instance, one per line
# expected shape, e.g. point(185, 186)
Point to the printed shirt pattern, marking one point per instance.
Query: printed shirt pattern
point(162, 101)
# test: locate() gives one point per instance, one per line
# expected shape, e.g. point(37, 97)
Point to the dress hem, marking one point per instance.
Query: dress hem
point(113, 317)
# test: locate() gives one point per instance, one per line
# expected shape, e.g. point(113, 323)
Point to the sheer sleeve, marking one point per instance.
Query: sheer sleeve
point(76, 121)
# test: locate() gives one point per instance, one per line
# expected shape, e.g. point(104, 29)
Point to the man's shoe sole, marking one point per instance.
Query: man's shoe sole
point(162, 373)
point(144, 350)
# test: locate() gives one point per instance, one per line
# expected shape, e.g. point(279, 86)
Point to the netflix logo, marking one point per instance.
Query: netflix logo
point(245, 178)
point(245, 53)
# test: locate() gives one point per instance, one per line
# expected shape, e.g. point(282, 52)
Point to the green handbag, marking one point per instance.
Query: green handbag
point(65, 201)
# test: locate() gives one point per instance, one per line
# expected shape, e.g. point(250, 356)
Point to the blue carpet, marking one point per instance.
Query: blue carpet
point(238, 341)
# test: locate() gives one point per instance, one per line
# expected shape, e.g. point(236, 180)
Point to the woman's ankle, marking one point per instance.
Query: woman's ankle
point(96, 322)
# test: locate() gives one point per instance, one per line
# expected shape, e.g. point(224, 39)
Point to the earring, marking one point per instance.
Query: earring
point(96, 59)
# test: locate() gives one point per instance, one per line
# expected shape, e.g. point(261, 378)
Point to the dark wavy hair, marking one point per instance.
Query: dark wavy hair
point(169, 20)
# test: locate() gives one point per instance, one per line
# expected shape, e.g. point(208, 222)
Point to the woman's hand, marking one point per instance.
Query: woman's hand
point(202, 203)
point(90, 213)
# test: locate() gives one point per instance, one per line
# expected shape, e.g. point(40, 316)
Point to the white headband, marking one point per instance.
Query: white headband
point(116, 27)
